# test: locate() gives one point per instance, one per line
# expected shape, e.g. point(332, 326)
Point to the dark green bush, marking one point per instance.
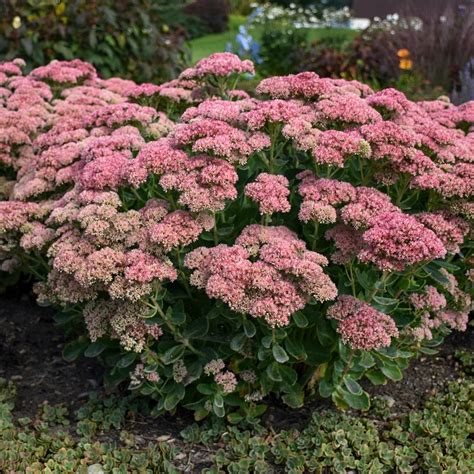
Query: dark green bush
point(120, 37)
point(212, 14)
point(279, 49)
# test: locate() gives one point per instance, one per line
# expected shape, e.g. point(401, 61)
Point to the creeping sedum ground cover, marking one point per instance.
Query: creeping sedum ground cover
point(215, 248)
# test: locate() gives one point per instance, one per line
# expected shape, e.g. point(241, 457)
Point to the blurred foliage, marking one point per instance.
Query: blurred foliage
point(128, 38)
point(317, 3)
point(213, 15)
point(370, 57)
point(279, 49)
point(241, 7)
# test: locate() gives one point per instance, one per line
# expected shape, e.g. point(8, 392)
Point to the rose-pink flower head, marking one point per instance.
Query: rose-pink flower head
point(450, 229)
point(282, 279)
point(120, 114)
point(270, 192)
point(178, 228)
point(360, 325)
point(346, 109)
point(389, 102)
point(431, 299)
point(397, 240)
point(365, 208)
point(65, 71)
point(219, 64)
point(204, 183)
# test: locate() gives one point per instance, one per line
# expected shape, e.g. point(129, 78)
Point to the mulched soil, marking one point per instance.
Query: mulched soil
point(30, 354)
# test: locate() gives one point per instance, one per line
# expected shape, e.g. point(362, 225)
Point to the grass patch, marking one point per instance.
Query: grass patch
point(206, 45)
point(436, 438)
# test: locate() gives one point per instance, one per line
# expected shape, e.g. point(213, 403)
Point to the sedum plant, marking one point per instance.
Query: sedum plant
point(214, 248)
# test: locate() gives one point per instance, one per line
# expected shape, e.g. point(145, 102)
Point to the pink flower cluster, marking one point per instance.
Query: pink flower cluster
point(71, 72)
point(450, 229)
point(282, 280)
point(270, 192)
point(389, 239)
point(360, 325)
point(398, 240)
point(121, 320)
point(220, 139)
point(218, 65)
point(225, 378)
point(434, 313)
point(321, 196)
point(175, 92)
point(309, 86)
point(105, 258)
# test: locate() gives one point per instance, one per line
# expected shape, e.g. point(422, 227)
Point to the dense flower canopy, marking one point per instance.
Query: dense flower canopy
point(145, 207)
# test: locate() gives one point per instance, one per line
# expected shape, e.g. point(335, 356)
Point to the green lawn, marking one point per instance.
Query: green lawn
point(206, 45)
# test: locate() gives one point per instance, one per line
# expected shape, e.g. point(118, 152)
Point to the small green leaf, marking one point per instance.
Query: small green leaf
point(173, 354)
point(358, 402)
point(205, 389)
point(279, 354)
point(428, 351)
point(300, 319)
point(436, 275)
point(218, 400)
point(447, 265)
point(179, 315)
point(267, 342)
point(127, 360)
point(249, 328)
point(384, 304)
point(174, 397)
point(197, 328)
point(392, 372)
point(325, 332)
point(295, 349)
point(218, 410)
point(294, 399)
point(95, 349)
point(273, 372)
point(325, 388)
point(366, 360)
point(238, 342)
point(234, 418)
point(352, 385)
point(74, 349)
point(376, 377)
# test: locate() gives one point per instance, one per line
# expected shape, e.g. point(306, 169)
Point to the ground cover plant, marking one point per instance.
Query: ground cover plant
point(294, 243)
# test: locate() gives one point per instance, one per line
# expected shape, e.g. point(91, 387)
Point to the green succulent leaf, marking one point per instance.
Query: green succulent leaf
point(352, 385)
point(279, 354)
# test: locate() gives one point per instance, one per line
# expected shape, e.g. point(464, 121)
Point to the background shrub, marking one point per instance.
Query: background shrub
point(120, 37)
point(212, 14)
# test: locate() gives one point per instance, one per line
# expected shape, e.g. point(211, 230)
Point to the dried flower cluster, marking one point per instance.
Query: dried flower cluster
point(220, 244)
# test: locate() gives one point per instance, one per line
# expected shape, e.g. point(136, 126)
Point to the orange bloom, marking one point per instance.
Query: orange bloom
point(406, 64)
point(403, 53)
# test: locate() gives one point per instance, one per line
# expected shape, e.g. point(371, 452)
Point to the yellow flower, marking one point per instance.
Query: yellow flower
point(403, 53)
point(406, 64)
point(16, 23)
point(60, 8)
